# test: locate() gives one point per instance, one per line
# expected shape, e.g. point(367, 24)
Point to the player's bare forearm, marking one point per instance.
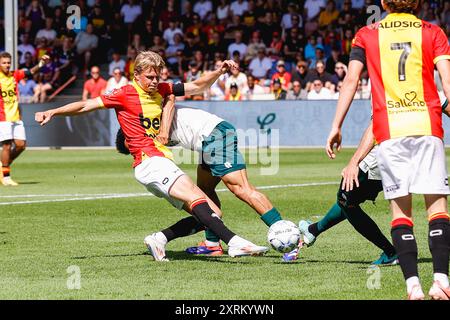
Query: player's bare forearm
point(71, 109)
point(204, 82)
point(347, 93)
point(365, 146)
point(443, 68)
point(166, 120)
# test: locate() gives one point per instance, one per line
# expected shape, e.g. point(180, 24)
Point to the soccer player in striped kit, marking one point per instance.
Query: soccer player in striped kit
point(401, 52)
point(139, 107)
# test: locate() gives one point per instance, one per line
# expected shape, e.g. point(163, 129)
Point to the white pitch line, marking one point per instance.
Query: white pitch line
point(84, 197)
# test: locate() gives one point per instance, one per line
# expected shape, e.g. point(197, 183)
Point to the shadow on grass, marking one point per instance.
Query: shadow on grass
point(29, 182)
point(367, 262)
point(179, 256)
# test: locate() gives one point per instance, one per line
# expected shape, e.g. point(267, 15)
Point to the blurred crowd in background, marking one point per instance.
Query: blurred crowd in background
point(293, 50)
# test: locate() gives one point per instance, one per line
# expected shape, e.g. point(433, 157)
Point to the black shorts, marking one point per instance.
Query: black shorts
point(367, 190)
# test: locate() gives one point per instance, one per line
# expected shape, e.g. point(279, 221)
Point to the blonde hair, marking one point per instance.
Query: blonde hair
point(148, 60)
point(402, 6)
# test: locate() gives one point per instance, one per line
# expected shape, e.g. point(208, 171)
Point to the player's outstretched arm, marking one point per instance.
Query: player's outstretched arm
point(351, 171)
point(71, 109)
point(346, 96)
point(166, 120)
point(201, 84)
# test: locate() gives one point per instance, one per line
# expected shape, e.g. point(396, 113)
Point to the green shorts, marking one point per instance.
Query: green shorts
point(220, 153)
point(367, 190)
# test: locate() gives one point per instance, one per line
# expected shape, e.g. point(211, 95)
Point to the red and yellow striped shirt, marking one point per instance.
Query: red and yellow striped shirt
point(401, 51)
point(139, 116)
point(9, 100)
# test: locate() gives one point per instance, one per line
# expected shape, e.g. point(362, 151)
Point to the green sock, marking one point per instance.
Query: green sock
point(271, 216)
point(211, 236)
point(332, 218)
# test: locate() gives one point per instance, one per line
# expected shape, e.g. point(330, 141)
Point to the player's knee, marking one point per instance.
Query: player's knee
point(20, 145)
point(344, 200)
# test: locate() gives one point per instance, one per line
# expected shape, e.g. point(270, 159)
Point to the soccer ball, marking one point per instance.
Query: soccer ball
point(283, 236)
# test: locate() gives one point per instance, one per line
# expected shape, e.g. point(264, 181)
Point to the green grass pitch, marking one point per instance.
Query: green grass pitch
point(51, 234)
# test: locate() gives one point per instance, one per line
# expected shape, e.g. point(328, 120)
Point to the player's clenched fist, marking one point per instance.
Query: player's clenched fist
point(43, 117)
point(227, 65)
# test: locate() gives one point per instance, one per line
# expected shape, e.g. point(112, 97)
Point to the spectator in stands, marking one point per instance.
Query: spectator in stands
point(223, 11)
point(329, 16)
point(117, 62)
point(358, 4)
point(340, 71)
point(165, 76)
point(320, 74)
point(190, 46)
point(319, 56)
point(169, 33)
point(313, 8)
point(276, 46)
point(187, 18)
point(214, 25)
point(278, 92)
point(168, 14)
point(282, 75)
point(319, 92)
point(261, 65)
point(254, 46)
point(36, 14)
point(193, 74)
point(293, 44)
point(95, 86)
point(200, 61)
point(237, 45)
point(25, 47)
point(42, 48)
point(48, 32)
point(238, 7)
point(130, 12)
point(28, 62)
point(157, 44)
point(288, 21)
point(347, 15)
point(203, 8)
point(252, 90)
point(346, 43)
point(146, 34)
point(216, 47)
point(297, 93)
point(116, 81)
point(86, 43)
point(301, 74)
point(27, 90)
point(267, 27)
point(47, 78)
point(137, 43)
point(129, 66)
point(238, 78)
point(338, 90)
point(234, 93)
point(172, 51)
point(65, 57)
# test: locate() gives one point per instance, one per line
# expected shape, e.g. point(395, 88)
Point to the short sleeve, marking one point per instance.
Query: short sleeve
point(19, 75)
point(166, 89)
point(359, 39)
point(441, 48)
point(113, 98)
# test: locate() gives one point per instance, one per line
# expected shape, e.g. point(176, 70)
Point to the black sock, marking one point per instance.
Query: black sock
point(203, 212)
point(183, 228)
point(439, 244)
point(406, 247)
point(313, 229)
point(368, 228)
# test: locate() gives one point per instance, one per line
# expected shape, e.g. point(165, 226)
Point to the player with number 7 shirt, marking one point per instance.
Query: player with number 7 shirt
point(401, 52)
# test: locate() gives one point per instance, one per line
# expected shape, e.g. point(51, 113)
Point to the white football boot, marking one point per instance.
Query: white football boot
point(156, 248)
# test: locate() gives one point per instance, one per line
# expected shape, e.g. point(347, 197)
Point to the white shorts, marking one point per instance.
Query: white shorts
point(158, 174)
point(12, 131)
point(413, 165)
